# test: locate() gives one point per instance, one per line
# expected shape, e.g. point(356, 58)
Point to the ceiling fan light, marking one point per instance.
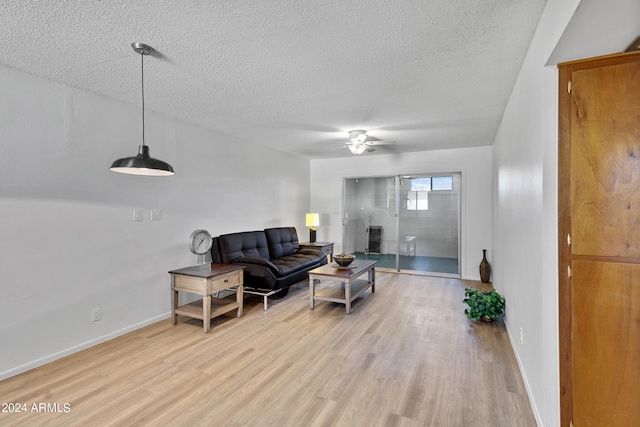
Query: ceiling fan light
point(357, 148)
point(357, 136)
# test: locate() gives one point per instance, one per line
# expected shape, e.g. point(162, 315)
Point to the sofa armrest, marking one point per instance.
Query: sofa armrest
point(258, 272)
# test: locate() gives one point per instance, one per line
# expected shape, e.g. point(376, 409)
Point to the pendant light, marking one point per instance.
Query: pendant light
point(142, 164)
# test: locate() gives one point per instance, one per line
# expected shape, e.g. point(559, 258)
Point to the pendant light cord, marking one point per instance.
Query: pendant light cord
point(142, 74)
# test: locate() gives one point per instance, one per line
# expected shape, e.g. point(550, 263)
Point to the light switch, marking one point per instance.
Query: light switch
point(156, 214)
point(137, 214)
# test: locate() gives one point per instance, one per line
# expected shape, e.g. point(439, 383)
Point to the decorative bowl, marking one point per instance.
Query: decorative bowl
point(344, 260)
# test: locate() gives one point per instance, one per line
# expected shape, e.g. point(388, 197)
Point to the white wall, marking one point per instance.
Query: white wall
point(476, 168)
point(525, 185)
point(68, 242)
point(525, 215)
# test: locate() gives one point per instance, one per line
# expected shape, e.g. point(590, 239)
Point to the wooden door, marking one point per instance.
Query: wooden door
point(599, 241)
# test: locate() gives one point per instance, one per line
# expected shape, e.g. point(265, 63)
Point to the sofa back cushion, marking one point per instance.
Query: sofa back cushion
point(282, 241)
point(215, 251)
point(248, 244)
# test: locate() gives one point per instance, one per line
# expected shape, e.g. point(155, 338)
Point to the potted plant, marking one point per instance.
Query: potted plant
point(483, 305)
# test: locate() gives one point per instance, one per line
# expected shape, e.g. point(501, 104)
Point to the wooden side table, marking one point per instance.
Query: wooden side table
point(325, 247)
point(204, 280)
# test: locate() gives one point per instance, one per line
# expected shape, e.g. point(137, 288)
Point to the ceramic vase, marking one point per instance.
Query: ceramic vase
point(485, 268)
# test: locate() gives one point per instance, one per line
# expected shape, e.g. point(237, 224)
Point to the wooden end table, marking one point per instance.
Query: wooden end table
point(204, 280)
point(325, 247)
point(344, 284)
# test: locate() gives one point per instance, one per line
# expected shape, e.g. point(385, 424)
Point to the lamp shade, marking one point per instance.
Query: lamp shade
point(142, 164)
point(313, 220)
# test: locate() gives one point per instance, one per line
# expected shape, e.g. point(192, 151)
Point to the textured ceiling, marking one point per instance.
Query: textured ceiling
point(292, 75)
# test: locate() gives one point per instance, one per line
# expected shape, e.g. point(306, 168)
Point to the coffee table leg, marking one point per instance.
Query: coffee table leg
point(347, 296)
point(206, 313)
point(372, 279)
point(312, 291)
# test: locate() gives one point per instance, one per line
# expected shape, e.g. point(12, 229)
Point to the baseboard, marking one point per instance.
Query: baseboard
point(59, 355)
point(534, 407)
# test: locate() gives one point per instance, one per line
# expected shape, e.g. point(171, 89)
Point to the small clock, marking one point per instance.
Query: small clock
point(200, 242)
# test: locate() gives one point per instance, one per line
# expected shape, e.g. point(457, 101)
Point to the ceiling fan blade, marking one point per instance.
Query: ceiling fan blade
point(359, 142)
point(380, 142)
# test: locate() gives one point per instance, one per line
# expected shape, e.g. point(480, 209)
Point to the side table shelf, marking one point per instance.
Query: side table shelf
point(336, 291)
point(196, 309)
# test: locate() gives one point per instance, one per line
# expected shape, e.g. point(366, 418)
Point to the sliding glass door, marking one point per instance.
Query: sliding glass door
point(369, 218)
point(407, 223)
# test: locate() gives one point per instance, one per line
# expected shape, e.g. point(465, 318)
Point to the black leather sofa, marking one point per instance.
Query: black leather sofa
point(272, 258)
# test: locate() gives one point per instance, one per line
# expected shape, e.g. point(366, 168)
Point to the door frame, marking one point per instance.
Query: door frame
point(397, 178)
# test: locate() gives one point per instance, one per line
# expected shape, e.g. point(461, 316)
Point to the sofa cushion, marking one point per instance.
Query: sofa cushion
point(251, 244)
point(282, 241)
point(295, 262)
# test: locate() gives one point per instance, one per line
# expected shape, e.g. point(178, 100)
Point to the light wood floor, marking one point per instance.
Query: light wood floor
point(405, 356)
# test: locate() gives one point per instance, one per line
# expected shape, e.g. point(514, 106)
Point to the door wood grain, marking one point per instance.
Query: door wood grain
point(599, 266)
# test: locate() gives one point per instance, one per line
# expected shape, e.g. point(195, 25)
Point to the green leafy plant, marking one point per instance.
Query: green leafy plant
point(483, 305)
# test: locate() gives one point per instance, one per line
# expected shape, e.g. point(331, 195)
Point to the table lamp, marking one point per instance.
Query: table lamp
point(313, 220)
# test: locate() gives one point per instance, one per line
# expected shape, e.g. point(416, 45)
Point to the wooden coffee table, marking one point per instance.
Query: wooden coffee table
point(204, 280)
point(342, 285)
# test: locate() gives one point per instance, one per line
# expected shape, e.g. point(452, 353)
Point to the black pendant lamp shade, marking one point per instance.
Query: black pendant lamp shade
point(142, 164)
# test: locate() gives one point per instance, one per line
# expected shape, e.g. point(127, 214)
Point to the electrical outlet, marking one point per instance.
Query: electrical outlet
point(156, 214)
point(96, 314)
point(521, 335)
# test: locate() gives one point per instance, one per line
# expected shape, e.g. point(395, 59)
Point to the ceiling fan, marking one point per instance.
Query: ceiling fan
point(359, 142)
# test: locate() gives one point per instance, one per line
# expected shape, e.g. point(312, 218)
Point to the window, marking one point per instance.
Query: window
point(439, 183)
point(420, 184)
point(417, 200)
point(418, 194)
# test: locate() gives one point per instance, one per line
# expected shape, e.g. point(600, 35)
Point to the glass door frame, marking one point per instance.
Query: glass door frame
point(397, 216)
